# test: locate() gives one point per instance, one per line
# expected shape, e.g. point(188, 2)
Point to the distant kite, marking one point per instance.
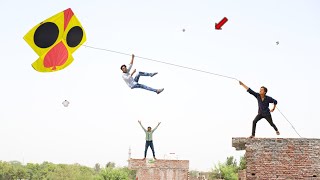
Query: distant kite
point(65, 103)
point(54, 40)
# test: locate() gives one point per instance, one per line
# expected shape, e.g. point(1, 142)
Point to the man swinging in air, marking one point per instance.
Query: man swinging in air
point(149, 141)
point(133, 82)
point(264, 111)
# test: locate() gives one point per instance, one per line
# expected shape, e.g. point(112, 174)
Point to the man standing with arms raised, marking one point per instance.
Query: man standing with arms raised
point(149, 141)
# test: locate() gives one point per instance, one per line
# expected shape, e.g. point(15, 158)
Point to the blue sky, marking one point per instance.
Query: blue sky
point(200, 113)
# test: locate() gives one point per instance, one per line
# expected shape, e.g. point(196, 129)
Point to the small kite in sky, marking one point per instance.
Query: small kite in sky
point(277, 42)
point(54, 40)
point(65, 103)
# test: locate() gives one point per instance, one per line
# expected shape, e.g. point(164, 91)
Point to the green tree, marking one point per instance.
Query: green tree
point(114, 174)
point(243, 163)
point(71, 172)
point(97, 167)
point(110, 165)
point(19, 172)
point(231, 161)
point(193, 173)
point(14, 170)
point(229, 169)
point(6, 171)
point(132, 173)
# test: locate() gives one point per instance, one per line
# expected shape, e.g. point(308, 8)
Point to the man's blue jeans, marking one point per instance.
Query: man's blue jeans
point(149, 143)
point(136, 79)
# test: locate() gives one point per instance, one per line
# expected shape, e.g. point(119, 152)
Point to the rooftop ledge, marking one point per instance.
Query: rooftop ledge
point(240, 143)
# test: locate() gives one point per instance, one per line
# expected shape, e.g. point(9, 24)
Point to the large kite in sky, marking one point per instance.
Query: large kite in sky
point(54, 40)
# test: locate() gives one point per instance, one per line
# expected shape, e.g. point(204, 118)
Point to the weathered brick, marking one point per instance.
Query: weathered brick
point(160, 169)
point(281, 158)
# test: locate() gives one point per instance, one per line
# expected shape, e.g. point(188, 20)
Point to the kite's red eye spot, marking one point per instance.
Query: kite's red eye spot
point(74, 36)
point(46, 35)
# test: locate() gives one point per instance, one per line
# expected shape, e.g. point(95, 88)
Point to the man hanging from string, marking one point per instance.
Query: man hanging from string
point(149, 141)
point(263, 111)
point(134, 82)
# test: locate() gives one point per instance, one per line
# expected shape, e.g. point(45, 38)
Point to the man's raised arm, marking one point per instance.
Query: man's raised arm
point(132, 58)
point(156, 127)
point(142, 126)
point(130, 65)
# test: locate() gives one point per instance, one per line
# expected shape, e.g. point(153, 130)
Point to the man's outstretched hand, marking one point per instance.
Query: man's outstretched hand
point(241, 83)
point(134, 71)
point(132, 59)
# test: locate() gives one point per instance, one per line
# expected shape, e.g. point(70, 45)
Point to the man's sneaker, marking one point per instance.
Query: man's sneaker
point(251, 137)
point(154, 74)
point(154, 158)
point(160, 90)
point(278, 133)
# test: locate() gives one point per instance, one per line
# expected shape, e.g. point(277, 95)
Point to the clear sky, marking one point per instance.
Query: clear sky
point(200, 113)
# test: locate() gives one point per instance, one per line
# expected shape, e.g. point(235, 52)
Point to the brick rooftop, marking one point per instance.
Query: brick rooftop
point(160, 169)
point(280, 158)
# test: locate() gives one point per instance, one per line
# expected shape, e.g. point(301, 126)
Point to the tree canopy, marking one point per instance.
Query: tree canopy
point(14, 170)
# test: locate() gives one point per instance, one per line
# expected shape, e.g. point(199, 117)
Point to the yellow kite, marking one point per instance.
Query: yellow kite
point(54, 40)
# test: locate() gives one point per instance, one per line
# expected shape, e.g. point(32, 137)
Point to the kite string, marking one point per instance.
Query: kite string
point(289, 122)
point(185, 67)
point(171, 64)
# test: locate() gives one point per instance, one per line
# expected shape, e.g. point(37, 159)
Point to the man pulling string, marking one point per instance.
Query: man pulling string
point(211, 73)
point(263, 110)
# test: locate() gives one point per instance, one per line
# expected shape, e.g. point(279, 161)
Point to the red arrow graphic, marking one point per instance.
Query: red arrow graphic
point(221, 23)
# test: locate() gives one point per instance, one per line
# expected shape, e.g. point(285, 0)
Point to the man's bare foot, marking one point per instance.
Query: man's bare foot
point(251, 137)
point(153, 74)
point(154, 158)
point(278, 133)
point(160, 90)
point(144, 159)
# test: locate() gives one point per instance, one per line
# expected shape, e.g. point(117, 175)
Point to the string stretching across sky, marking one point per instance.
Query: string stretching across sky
point(185, 67)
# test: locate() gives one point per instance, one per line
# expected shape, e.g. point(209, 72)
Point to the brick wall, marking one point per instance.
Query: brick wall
point(160, 169)
point(269, 158)
point(242, 175)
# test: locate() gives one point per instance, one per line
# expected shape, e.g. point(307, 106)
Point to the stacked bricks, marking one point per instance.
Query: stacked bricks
point(160, 169)
point(242, 175)
point(269, 158)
